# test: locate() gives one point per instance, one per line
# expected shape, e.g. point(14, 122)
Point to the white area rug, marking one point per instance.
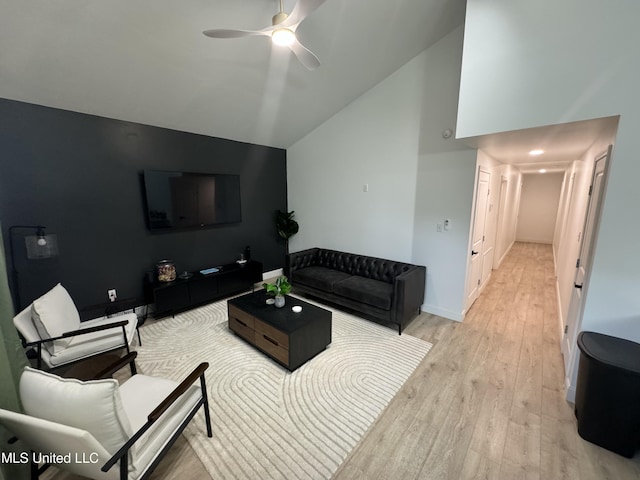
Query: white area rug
point(269, 423)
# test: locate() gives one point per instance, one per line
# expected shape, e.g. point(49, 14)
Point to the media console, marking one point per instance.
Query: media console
point(186, 293)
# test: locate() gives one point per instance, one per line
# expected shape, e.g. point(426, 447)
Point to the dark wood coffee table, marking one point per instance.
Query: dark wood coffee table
point(289, 338)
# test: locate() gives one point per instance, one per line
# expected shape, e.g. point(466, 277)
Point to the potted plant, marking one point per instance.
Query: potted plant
point(279, 289)
point(287, 227)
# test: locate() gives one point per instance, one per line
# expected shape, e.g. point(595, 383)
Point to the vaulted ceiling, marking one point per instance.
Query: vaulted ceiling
point(147, 61)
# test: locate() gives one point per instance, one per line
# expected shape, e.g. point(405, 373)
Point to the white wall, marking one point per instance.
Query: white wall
point(446, 186)
point(391, 139)
point(539, 207)
point(374, 141)
point(508, 218)
point(528, 64)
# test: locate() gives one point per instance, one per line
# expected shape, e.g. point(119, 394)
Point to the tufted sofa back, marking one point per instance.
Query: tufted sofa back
point(353, 264)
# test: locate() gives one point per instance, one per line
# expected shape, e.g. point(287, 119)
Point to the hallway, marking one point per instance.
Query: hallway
point(488, 401)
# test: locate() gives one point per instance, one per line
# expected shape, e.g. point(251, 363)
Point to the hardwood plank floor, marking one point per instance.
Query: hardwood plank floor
point(489, 396)
point(486, 403)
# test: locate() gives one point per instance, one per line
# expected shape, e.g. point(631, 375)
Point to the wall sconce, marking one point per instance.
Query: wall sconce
point(39, 246)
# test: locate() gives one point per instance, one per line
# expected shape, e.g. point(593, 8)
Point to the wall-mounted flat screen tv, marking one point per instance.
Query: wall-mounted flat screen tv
point(191, 200)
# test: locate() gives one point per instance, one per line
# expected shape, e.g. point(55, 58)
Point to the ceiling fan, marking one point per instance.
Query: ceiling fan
point(282, 31)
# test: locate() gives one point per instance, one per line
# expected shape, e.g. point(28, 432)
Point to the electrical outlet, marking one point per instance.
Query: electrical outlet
point(439, 227)
point(112, 295)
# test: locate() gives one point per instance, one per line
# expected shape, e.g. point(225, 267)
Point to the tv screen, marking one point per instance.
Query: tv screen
point(188, 200)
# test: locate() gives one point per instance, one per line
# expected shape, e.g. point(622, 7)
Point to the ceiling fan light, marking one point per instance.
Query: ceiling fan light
point(283, 37)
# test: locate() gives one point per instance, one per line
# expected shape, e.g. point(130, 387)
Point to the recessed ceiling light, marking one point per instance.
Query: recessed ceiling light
point(542, 170)
point(537, 151)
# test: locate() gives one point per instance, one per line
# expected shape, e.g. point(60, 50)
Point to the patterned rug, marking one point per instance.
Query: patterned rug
point(269, 423)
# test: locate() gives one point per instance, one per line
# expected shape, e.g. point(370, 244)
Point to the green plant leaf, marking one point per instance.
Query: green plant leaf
point(286, 225)
point(280, 287)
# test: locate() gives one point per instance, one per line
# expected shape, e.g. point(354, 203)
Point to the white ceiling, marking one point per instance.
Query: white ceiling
point(562, 144)
point(147, 61)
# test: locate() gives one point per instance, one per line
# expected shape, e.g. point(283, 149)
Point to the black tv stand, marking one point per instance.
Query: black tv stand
point(186, 293)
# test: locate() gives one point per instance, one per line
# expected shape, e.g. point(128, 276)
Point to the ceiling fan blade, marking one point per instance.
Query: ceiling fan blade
point(300, 12)
point(306, 56)
point(226, 33)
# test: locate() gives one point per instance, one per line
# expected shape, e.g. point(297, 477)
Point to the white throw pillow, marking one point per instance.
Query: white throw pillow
point(53, 314)
point(94, 406)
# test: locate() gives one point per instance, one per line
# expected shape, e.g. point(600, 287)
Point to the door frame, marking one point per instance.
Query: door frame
point(577, 309)
point(500, 247)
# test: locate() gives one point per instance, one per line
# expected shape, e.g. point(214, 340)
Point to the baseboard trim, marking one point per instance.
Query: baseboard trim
point(571, 391)
point(534, 240)
point(560, 317)
point(272, 274)
point(442, 312)
point(504, 255)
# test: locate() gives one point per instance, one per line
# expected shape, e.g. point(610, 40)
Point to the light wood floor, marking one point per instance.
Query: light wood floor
point(486, 403)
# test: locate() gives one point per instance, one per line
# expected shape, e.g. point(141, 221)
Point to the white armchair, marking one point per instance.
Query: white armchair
point(51, 326)
point(89, 427)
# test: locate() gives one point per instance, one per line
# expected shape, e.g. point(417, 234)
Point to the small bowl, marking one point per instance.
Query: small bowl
point(296, 308)
point(270, 301)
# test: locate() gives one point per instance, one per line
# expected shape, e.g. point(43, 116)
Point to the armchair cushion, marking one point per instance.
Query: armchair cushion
point(85, 345)
point(94, 405)
point(54, 314)
point(141, 394)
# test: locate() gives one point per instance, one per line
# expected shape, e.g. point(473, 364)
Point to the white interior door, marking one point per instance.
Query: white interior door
point(583, 263)
point(477, 238)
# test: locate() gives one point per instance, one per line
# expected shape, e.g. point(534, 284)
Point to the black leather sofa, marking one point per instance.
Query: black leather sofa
point(379, 289)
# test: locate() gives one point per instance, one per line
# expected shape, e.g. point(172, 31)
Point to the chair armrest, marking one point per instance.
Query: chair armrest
point(81, 331)
point(408, 293)
point(179, 390)
point(97, 328)
point(157, 412)
point(301, 259)
point(107, 372)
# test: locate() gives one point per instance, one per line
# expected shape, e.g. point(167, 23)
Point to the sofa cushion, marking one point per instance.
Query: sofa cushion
point(372, 292)
point(321, 278)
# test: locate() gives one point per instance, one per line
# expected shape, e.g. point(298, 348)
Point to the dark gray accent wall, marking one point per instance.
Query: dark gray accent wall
point(80, 176)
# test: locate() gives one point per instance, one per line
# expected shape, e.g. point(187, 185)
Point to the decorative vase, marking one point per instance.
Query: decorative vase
point(279, 301)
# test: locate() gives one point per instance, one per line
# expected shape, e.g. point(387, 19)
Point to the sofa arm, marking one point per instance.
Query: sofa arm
point(408, 294)
point(301, 259)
